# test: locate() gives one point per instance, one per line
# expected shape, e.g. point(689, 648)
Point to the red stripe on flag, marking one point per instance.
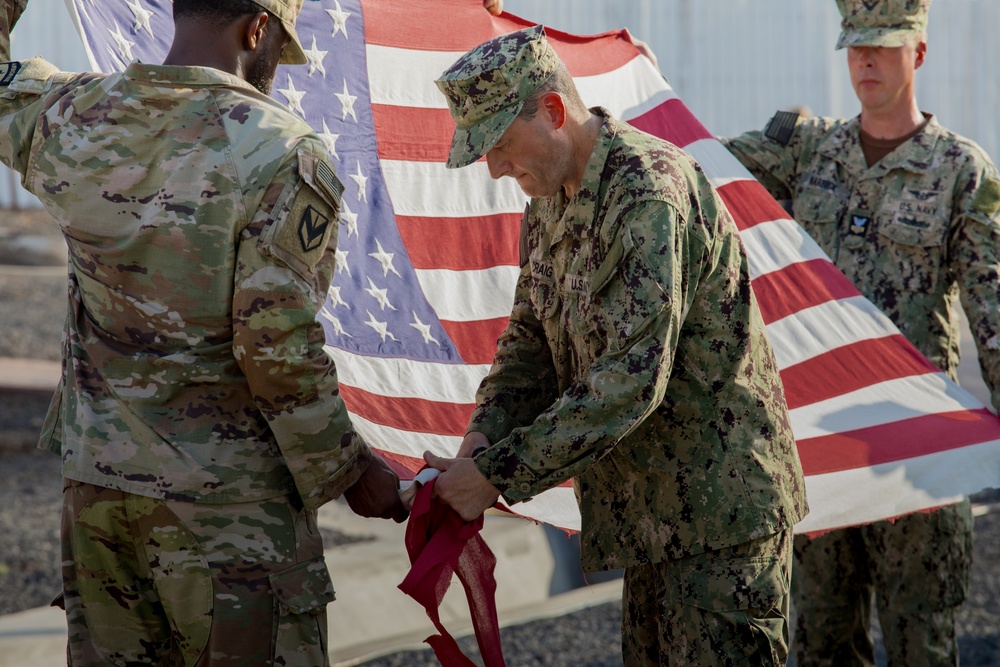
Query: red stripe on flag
point(800, 286)
point(852, 367)
point(476, 341)
point(750, 204)
point(408, 414)
point(896, 441)
point(582, 55)
point(672, 121)
point(416, 135)
point(461, 244)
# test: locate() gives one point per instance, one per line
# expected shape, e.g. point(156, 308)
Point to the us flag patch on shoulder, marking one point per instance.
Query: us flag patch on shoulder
point(781, 127)
point(8, 71)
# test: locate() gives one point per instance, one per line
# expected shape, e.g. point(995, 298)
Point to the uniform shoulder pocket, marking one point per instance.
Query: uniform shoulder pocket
point(303, 224)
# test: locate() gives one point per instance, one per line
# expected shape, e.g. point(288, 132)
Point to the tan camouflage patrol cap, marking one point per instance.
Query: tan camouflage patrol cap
point(287, 11)
point(881, 22)
point(487, 87)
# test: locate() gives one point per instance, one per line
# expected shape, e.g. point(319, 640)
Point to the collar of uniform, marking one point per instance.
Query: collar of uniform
point(173, 75)
point(916, 154)
point(577, 220)
point(843, 145)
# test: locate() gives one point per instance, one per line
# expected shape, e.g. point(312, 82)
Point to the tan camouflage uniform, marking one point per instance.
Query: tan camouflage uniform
point(916, 232)
point(200, 217)
point(636, 364)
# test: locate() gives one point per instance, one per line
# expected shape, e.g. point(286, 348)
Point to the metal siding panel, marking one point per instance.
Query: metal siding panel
point(735, 62)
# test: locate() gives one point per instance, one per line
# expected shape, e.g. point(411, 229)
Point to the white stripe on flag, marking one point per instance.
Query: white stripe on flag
point(772, 246)
point(430, 190)
point(883, 403)
point(406, 443)
point(862, 495)
point(465, 296)
point(813, 331)
point(405, 78)
point(719, 164)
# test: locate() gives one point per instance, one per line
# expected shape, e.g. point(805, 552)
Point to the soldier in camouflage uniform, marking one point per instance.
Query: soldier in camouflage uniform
point(909, 212)
point(635, 363)
point(198, 417)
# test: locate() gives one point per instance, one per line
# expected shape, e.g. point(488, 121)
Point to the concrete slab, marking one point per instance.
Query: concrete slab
point(29, 376)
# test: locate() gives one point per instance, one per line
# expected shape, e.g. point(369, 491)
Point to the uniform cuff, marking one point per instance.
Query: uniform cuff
point(505, 470)
point(492, 422)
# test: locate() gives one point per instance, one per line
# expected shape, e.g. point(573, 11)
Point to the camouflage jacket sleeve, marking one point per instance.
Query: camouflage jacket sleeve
point(974, 251)
point(28, 89)
point(772, 154)
point(522, 382)
point(626, 382)
point(284, 267)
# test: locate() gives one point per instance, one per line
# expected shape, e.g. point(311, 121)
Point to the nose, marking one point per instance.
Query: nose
point(865, 56)
point(498, 166)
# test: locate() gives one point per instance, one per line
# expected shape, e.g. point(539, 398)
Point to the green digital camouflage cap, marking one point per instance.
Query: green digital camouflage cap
point(881, 22)
point(287, 11)
point(487, 87)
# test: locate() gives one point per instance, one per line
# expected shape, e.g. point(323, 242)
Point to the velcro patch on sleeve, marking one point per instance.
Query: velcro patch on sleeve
point(304, 223)
point(781, 127)
point(8, 72)
point(987, 199)
point(320, 176)
point(302, 237)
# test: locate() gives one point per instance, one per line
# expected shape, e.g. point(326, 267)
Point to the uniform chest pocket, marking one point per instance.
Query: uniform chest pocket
point(545, 301)
point(819, 212)
point(579, 314)
point(919, 219)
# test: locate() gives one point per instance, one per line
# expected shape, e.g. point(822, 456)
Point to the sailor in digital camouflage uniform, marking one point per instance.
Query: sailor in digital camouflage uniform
point(198, 418)
point(635, 363)
point(909, 211)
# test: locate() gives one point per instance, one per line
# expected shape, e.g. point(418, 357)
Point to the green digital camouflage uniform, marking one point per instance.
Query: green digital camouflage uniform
point(916, 232)
point(635, 363)
point(200, 217)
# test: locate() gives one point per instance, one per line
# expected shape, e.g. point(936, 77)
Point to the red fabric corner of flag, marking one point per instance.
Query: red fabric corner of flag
point(440, 543)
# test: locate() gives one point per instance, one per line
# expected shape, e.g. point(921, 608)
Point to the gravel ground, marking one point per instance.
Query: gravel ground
point(30, 491)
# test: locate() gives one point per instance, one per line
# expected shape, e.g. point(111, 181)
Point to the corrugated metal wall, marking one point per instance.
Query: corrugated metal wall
point(734, 62)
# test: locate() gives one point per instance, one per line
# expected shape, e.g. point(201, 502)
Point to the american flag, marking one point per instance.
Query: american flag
point(427, 259)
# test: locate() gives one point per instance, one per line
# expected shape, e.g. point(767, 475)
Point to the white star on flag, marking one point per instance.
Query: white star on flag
point(340, 256)
point(315, 58)
point(334, 322)
point(141, 17)
point(124, 46)
point(335, 299)
point(424, 329)
point(294, 97)
point(339, 20)
point(347, 101)
point(385, 259)
point(350, 218)
point(362, 182)
point(380, 295)
point(330, 140)
point(381, 328)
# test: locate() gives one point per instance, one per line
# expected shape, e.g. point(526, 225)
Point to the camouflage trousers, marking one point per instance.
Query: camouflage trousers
point(154, 582)
point(917, 568)
point(724, 608)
